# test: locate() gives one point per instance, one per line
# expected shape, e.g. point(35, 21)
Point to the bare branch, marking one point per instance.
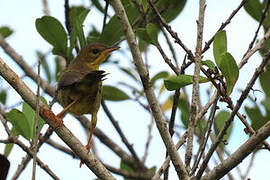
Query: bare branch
point(91, 161)
point(151, 98)
point(195, 88)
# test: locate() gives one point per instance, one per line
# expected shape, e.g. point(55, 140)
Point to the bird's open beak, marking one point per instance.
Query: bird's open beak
point(103, 55)
point(110, 49)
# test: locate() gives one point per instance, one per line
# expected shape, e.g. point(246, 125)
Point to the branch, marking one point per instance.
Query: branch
point(149, 92)
point(90, 160)
point(244, 94)
point(165, 164)
point(195, 88)
point(26, 68)
point(123, 137)
point(223, 25)
point(240, 154)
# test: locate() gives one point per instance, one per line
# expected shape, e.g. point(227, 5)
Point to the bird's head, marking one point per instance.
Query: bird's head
point(95, 54)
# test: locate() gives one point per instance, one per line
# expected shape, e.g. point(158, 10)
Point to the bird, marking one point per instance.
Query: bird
point(80, 84)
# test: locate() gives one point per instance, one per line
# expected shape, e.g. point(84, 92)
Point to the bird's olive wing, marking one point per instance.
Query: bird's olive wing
point(68, 78)
point(94, 77)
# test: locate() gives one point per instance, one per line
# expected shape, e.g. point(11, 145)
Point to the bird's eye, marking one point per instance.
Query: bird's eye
point(95, 51)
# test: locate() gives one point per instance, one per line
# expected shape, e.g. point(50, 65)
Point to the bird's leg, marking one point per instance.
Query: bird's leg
point(93, 125)
point(61, 114)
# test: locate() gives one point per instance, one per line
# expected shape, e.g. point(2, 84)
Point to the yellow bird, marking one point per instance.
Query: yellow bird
point(80, 84)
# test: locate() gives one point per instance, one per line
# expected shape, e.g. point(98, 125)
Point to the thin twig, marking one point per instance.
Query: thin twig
point(120, 132)
point(35, 147)
point(46, 8)
point(223, 25)
point(171, 123)
point(26, 68)
point(257, 47)
point(259, 26)
point(167, 60)
point(148, 89)
point(222, 132)
point(195, 88)
point(91, 161)
point(31, 153)
point(165, 164)
point(171, 47)
point(105, 14)
point(149, 137)
point(169, 29)
point(207, 132)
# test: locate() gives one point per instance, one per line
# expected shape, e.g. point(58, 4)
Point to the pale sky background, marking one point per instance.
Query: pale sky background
point(21, 15)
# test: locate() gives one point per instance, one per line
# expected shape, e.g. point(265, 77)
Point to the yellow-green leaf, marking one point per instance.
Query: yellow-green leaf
point(219, 46)
point(230, 71)
point(176, 82)
point(114, 94)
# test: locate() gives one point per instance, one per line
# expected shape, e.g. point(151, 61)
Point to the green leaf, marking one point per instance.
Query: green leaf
point(184, 108)
point(5, 31)
point(219, 46)
point(58, 67)
point(254, 8)
point(176, 82)
point(152, 31)
point(77, 17)
point(160, 75)
point(209, 64)
point(30, 116)
point(256, 117)
point(97, 4)
point(8, 148)
point(93, 36)
point(149, 34)
point(219, 123)
point(230, 70)
point(144, 4)
point(129, 73)
point(3, 97)
point(45, 66)
point(114, 94)
point(112, 32)
point(264, 81)
point(169, 9)
point(19, 122)
point(125, 167)
point(54, 33)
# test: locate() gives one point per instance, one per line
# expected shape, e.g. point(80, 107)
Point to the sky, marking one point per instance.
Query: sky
point(21, 16)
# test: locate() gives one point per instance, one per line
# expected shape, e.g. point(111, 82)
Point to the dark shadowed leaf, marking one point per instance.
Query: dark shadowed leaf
point(3, 97)
point(230, 70)
point(219, 46)
point(114, 94)
point(8, 148)
point(209, 64)
point(176, 82)
point(54, 33)
point(256, 117)
point(264, 81)
point(130, 73)
point(5, 31)
point(44, 66)
point(77, 17)
point(254, 8)
point(30, 116)
point(184, 108)
point(160, 75)
point(19, 122)
point(125, 167)
point(219, 122)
